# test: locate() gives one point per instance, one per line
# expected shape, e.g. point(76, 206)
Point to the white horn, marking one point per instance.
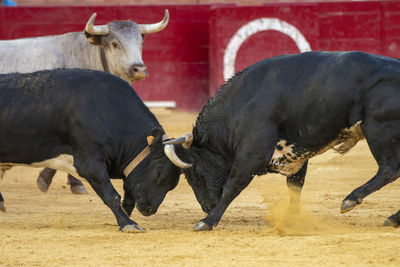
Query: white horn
point(169, 151)
point(96, 30)
point(155, 27)
point(186, 140)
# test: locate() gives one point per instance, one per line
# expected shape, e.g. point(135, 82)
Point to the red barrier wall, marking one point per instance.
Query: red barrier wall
point(186, 60)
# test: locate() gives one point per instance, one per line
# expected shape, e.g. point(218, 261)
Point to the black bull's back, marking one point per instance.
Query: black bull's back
point(53, 112)
point(311, 97)
point(284, 110)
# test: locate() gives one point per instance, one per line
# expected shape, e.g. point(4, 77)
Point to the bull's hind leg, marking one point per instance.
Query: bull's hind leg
point(393, 220)
point(2, 206)
point(45, 178)
point(76, 185)
point(3, 170)
point(383, 139)
point(295, 183)
point(386, 174)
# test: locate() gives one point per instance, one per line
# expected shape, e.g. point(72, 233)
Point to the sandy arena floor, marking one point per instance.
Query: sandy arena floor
point(58, 228)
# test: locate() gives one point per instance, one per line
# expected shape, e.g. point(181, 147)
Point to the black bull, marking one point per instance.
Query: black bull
point(90, 124)
point(278, 113)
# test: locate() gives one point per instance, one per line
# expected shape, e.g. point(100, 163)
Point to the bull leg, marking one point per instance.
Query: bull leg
point(393, 220)
point(2, 206)
point(231, 190)
point(45, 178)
point(76, 185)
point(3, 170)
point(295, 183)
point(128, 203)
point(247, 163)
point(385, 149)
point(384, 176)
point(97, 176)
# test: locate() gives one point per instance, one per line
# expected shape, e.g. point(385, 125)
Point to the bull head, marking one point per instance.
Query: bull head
point(121, 44)
point(169, 149)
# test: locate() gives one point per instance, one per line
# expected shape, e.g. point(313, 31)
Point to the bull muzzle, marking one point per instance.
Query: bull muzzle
point(138, 71)
point(169, 149)
point(147, 210)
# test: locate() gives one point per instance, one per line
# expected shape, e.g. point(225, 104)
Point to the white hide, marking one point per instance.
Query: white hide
point(71, 50)
point(347, 139)
point(63, 163)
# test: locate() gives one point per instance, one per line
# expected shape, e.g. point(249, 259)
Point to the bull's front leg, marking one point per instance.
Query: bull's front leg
point(45, 178)
point(97, 176)
point(231, 190)
point(249, 160)
point(128, 203)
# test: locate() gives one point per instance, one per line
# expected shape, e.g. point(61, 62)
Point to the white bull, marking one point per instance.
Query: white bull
point(115, 48)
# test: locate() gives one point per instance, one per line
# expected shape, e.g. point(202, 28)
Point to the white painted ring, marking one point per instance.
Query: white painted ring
point(253, 27)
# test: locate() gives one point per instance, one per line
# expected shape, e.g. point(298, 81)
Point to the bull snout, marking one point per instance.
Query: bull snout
point(138, 71)
point(147, 210)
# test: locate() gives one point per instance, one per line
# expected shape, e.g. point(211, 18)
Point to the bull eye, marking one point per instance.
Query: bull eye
point(115, 44)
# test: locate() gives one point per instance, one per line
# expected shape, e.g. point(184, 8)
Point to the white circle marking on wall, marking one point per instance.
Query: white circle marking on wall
point(253, 27)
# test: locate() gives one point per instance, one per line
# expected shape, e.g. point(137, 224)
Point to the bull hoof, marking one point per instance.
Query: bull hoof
point(78, 190)
point(132, 228)
point(348, 205)
point(41, 183)
point(390, 223)
point(2, 207)
point(202, 226)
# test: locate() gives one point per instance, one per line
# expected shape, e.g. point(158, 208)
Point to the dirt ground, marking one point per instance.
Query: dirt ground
point(58, 228)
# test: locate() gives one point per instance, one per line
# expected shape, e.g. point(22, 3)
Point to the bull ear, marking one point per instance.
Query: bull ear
point(155, 136)
point(93, 39)
point(202, 138)
point(150, 139)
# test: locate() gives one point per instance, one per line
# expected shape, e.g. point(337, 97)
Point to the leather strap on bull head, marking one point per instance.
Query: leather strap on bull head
point(104, 60)
point(169, 150)
point(139, 158)
point(136, 161)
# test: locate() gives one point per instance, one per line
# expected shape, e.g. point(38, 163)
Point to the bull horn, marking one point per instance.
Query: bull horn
point(169, 151)
point(186, 140)
point(155, 27)
point(96, 30)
